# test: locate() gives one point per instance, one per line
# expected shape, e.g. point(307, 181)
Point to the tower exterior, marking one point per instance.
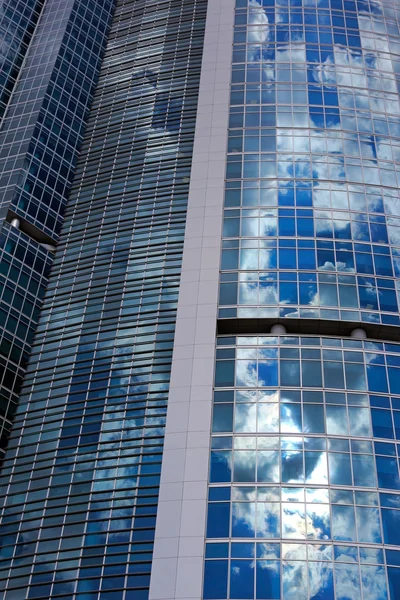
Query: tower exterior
point(50, 55)
point(211, 409)
point(96, 395)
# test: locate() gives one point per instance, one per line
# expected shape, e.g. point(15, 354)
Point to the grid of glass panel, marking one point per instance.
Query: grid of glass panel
point(48, 113)
point(304, 492)
point(18, 19)
point(311, 208)
point(304, 466)
point(86, 448)
point(40, 138)
point(24, 268)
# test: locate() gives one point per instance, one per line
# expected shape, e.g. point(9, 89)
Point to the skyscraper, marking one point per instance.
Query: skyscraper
point(50, 56)
point(211, 409)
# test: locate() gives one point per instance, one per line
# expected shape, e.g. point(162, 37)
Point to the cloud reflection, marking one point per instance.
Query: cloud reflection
point(257, 30)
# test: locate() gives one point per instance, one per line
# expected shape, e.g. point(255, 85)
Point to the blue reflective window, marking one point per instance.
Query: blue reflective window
point(243, 519)
point(368, 525)
point(359, 421)
point(231, 227)
point(287, 258)
point(313, 418)
point(388, 300)
point(222, 418)
point(268, 580)
point(268, 373)
point(388, 473)
point(308, 292)
point(268, 520)
point(215, 579)
point(311, 373)
point(242, 579)
point(333, 375)
point(242, 549)
point(225, 373)
point(382, 423)
point(218, 520)
point(377, 381)
point(396, 419)
point(305, 227)
point(363, 470)
point(217, 550)
point(229, 259)
point(394, 582)
point(347, 580)
point(290, 373)
point(306, 259)
point(245, 418)
point(244, 466)
point(343, 523)
point(288, 293)
point(295, 580)
point(394, 380)
point(291, 421)
point(220, 466)
point(383, 265)
point(267, 466)
point(339, 469)
point(368, 297)
point(321, 581)
point(348, 296)
point(391, 526)
point(355, 376)
point(292, 467)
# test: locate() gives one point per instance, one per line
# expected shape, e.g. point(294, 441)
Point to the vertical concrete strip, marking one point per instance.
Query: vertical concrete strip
point(177, 571)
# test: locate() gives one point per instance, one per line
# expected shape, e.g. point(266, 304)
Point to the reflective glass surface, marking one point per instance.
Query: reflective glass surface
point(304, 461)
point(82, 471)
point(311, 206)
point(304, 472)
point(18, 20)
point(51, 69)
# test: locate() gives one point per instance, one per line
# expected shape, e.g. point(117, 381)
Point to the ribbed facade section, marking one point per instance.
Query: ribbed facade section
point(87, 442)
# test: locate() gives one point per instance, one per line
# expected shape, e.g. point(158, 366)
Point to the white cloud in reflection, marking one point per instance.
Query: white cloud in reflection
point(268, 295)
point(268, 418)
point(292, 53)
point(374, 582)
point(294, 581)
point(347, 581)
point(257, 30)
point(246, 373)
point(325, 73)
point(319, 474)
point(244, 512)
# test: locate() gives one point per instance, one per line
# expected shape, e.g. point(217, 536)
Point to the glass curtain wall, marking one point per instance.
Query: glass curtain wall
point(312, 198)
point(304, 491)
point(18, 19)
point(40, 137)
point(82, 470)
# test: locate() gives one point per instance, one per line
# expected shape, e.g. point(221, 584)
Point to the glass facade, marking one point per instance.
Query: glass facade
point(304, 485)
point(41, 133)
point(82, 470)
point(297, 496)
point(311, 208)
point(18, 19)
point(304, 472)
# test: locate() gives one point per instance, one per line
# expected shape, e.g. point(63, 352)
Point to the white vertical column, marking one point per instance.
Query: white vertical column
point(177, 571)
